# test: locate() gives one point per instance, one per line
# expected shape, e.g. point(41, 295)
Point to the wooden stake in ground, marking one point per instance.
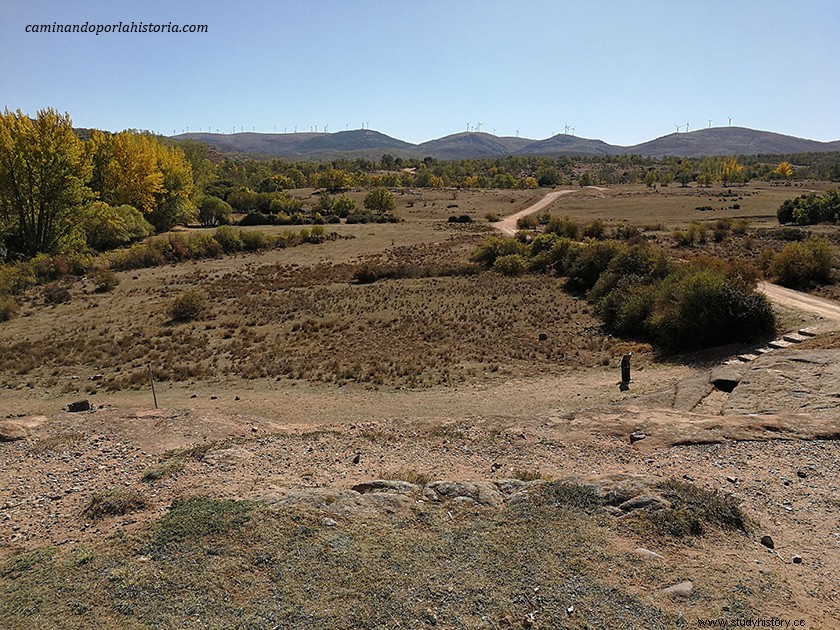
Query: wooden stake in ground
point(152, 381)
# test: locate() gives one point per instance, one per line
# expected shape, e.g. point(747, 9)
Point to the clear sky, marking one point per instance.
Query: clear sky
point(623, 71)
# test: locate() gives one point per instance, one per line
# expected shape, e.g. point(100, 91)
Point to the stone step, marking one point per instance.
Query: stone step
point(795, 337)
point(763, 350)
point(746, 358)
point(808, 332)
point(778, 344)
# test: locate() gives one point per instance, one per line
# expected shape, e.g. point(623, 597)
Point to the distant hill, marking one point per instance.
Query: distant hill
point(564, 144)
point(369, 144)
point(728, 141)
point(472, 145)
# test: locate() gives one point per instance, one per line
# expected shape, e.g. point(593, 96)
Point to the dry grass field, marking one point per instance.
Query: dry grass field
point(231, 505)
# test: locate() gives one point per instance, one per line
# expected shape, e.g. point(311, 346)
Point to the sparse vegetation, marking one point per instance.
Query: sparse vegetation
point(187, 306)
point(114, 502)
point(692, 511)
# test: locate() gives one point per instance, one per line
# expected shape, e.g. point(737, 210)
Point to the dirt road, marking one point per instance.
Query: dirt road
point(801, 301)
point(508, 224)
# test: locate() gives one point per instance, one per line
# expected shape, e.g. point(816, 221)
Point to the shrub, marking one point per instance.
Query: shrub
point(187, 306)
point(528, 222)
point(595, 230)
point(114, 502)
point(8, 308)
point(510, 264)
point(701, 307)
point(692, 510)
point(492, 217)
point(56, 294)
point(565, 226)
point(229, 239)
point(104, 280)
point(694, 235)
point(589, 262)
point(254, 240)
point(801, 265)
point(493, 247)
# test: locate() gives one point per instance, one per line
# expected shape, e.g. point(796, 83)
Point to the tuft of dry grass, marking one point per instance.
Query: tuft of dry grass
point(114, 502)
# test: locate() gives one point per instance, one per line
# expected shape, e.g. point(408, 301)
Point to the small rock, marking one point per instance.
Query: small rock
point(683, 589)
point(642, 501)
point(329, 522)
point(767, 541)
point(649, 554)
point(430, 617)
point(236, 397)
point(732, 479)
point(636, 436)
point(213, 397)
point(796, 559)
point(357, 458)
point(79, 405)
point(801, 474)
point(543, 336)
point(194, 396)
point(12, 432)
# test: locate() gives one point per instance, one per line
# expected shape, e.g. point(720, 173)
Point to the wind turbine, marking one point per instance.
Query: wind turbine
point(478, 126)
point(678, 127)
point(573, 131)
point(710, 122)
point(325, 128)
point(468, 127)
point(730, 121)
point(686, 127)
point(517, 133)
point(566, 129)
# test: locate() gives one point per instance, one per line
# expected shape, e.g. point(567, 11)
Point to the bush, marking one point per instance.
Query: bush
point(8, 309)
point(802, 265)
point(588, 262)
point(229, 239)
point(104, 280)
point(565, 226)
point(528, 222)
point(701, 307)
point(187, 306)
point(694, 235)
point(494, 247)
point(114, 502)
point(510, 264)
point(254, 241)
point(56, 294)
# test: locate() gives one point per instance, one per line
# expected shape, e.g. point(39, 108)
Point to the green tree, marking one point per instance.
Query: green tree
point(380, 200)
point(106, 227)
point(213, 211)
point(43, 174)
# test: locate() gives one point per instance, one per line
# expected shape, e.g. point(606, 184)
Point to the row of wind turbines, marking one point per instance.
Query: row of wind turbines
point(686, 125)
point(477, 128)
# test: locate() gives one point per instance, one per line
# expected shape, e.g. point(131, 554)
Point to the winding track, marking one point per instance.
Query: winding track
point(779, 295)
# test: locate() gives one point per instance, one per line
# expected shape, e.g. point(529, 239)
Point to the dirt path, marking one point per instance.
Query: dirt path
point(801, 301)
point(508, 224)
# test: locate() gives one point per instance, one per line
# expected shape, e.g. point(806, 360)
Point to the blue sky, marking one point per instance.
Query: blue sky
point(621, 71)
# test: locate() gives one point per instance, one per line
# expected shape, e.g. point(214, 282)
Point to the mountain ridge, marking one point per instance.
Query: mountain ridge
point(370, 144)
